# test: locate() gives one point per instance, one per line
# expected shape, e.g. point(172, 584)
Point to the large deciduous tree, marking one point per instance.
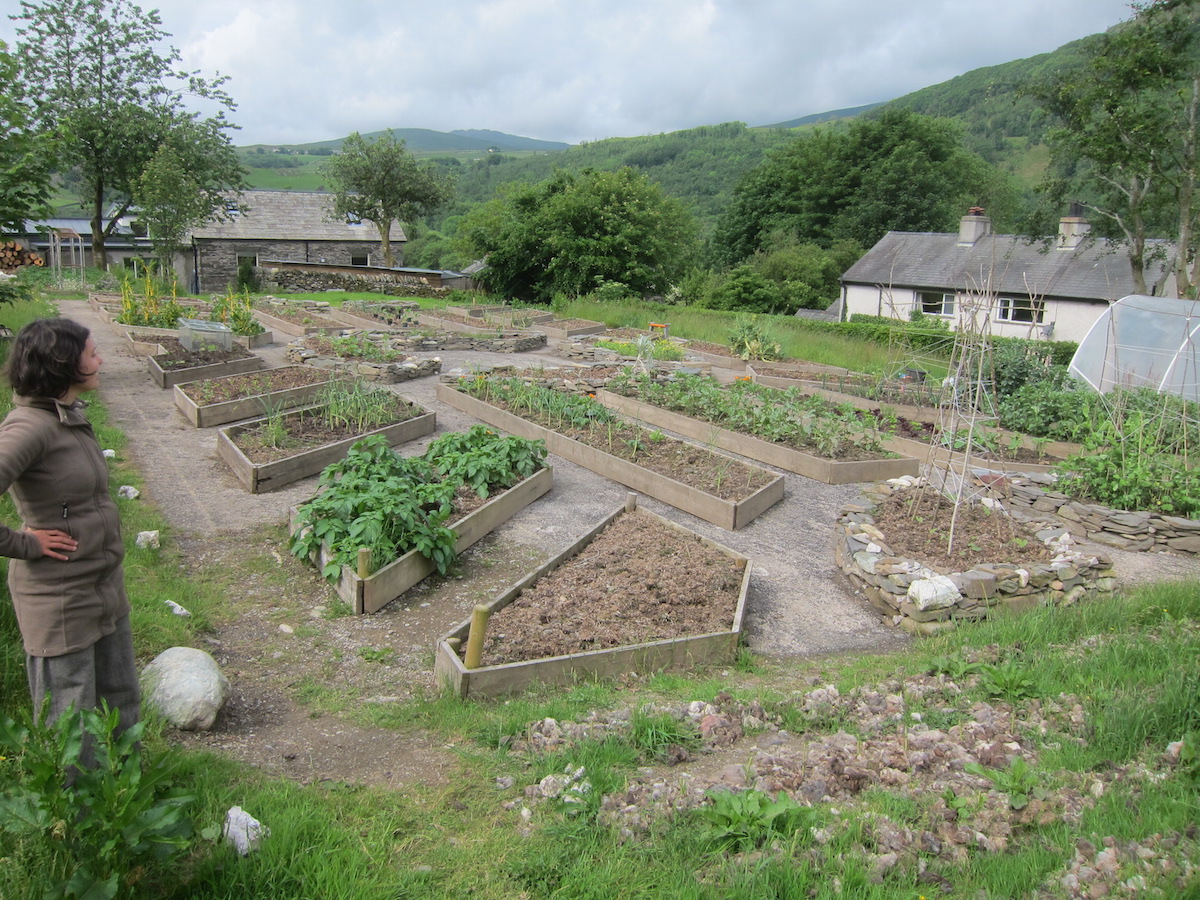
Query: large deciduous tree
point(380, 182)
point(111, 95)
point(899, 172)
point(577, 230)
point(1125, 141)
point(26, 159)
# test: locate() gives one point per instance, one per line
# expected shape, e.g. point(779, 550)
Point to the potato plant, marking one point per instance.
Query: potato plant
point(391, 504)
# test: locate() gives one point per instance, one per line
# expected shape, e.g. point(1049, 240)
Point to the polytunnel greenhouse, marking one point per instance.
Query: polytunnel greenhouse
point(1143, 341)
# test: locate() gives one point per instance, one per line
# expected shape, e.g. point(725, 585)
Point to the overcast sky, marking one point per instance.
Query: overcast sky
point(575, 70)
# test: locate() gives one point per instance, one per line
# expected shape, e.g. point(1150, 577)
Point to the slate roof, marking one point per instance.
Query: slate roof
point(1097, 270)
point(290, 216)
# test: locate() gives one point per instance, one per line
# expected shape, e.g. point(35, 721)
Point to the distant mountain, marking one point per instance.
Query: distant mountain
point(832, 115)
point(502, 141)
point(425, 140)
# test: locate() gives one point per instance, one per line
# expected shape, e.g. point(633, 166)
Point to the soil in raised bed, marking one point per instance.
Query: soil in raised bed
point(638, 581)
point(235, 387)
point(917, 526)
point(278, 437)
point(297, 315)
point(721, 476)
point(179, 357)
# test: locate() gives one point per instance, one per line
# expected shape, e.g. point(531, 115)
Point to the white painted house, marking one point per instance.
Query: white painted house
point(1024, 289)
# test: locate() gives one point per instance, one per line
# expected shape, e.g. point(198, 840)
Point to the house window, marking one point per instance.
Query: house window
point(1020, 309)
point(246, 260)
point(936, 303)
point(360, 260)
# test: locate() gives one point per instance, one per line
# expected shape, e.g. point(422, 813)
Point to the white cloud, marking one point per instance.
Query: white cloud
point(307, 70)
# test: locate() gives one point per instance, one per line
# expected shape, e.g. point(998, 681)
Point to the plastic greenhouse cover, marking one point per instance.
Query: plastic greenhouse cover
point(1143, 341)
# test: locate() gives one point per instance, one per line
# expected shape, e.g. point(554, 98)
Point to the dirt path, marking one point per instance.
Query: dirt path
point(282, 643)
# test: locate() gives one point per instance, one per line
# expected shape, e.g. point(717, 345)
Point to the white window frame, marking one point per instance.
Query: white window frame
point(946, 309)
point(1007, 306)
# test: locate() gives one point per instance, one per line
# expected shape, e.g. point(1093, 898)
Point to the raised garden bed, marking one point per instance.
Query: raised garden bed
point(371, 593)
point(477, 311)
point(258, 477)
point(727, 513)
point(827, 471)
point(295, 320)
point(219, 401)
point(178, 366)
point(660, 615)
point(568, 328)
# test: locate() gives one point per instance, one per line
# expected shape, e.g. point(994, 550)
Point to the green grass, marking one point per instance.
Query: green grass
point(1131, 661)
point(796, 342)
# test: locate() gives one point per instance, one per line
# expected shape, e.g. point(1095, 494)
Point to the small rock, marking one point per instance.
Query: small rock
point(148, 540)
point(128, 492)
point(243, 830)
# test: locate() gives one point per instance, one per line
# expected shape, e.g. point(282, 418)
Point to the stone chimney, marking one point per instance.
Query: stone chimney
point(1073, 228)
point(974, 225)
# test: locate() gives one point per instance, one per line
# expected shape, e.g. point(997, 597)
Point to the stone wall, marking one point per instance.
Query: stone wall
point(307, 282)
point(921, 601)
point(216, 259)
point(1117, 528)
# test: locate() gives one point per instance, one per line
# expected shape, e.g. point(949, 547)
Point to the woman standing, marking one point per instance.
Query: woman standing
point(65, 578)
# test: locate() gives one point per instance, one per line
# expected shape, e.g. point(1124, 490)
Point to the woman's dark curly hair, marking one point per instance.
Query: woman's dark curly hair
point(44, 358)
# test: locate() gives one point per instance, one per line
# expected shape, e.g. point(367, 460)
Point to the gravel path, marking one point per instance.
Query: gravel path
point(798, 605)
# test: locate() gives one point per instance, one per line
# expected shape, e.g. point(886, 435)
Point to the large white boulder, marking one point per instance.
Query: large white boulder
point(187, 686)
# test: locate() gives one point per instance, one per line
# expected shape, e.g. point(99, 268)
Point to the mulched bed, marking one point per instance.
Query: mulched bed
point(638, 581)
point(235, 387)
point(179, 357)
point(917, 526)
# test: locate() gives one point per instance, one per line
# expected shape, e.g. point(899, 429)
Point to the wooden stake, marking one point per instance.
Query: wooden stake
point(479, 623)
point(630, 502)
point(364, 562)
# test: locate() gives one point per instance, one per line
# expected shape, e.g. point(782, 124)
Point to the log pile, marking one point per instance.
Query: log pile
point(13, 256)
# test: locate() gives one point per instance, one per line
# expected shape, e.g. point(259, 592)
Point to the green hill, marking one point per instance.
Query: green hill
point(701, 166)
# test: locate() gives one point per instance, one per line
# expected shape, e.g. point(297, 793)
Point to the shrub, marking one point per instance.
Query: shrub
point(117, 816)
point(750, 339)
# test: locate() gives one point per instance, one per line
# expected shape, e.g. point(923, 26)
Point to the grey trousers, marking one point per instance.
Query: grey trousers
point(106, 670)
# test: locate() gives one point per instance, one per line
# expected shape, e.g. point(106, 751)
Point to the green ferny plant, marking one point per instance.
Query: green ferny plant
point(119, 815)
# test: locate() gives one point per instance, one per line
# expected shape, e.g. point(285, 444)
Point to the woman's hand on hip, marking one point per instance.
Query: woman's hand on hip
point(54, 543)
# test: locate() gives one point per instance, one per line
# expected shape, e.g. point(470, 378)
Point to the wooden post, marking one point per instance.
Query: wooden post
point(630, 502)
point(364, 562)
point(479, 623)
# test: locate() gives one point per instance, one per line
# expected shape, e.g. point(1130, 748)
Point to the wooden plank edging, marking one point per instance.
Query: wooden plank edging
point(371, 594)
point(260, 477)
point(491, 681)
point(728, 514)
point(168, 378)
point(209, 415)
point(827, 471)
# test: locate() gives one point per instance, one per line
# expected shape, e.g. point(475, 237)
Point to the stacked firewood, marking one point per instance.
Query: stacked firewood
point(13, 256)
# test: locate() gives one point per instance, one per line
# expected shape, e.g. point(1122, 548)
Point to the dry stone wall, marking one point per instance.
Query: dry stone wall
point(305, 282)
point(918, 599)
point(1116, 528)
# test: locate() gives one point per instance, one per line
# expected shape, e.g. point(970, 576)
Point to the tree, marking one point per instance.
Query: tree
point(170, 202)
point(381, 182)
point(26, 158)
point(111, 96)
point(171, 199)
point(577, 230)
point(1125, 142)
point(900, 172)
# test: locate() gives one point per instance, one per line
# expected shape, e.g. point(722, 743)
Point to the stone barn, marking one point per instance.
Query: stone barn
point(268, 227)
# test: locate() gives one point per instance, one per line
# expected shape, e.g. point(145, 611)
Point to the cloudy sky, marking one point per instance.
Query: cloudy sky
point(575, 70)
